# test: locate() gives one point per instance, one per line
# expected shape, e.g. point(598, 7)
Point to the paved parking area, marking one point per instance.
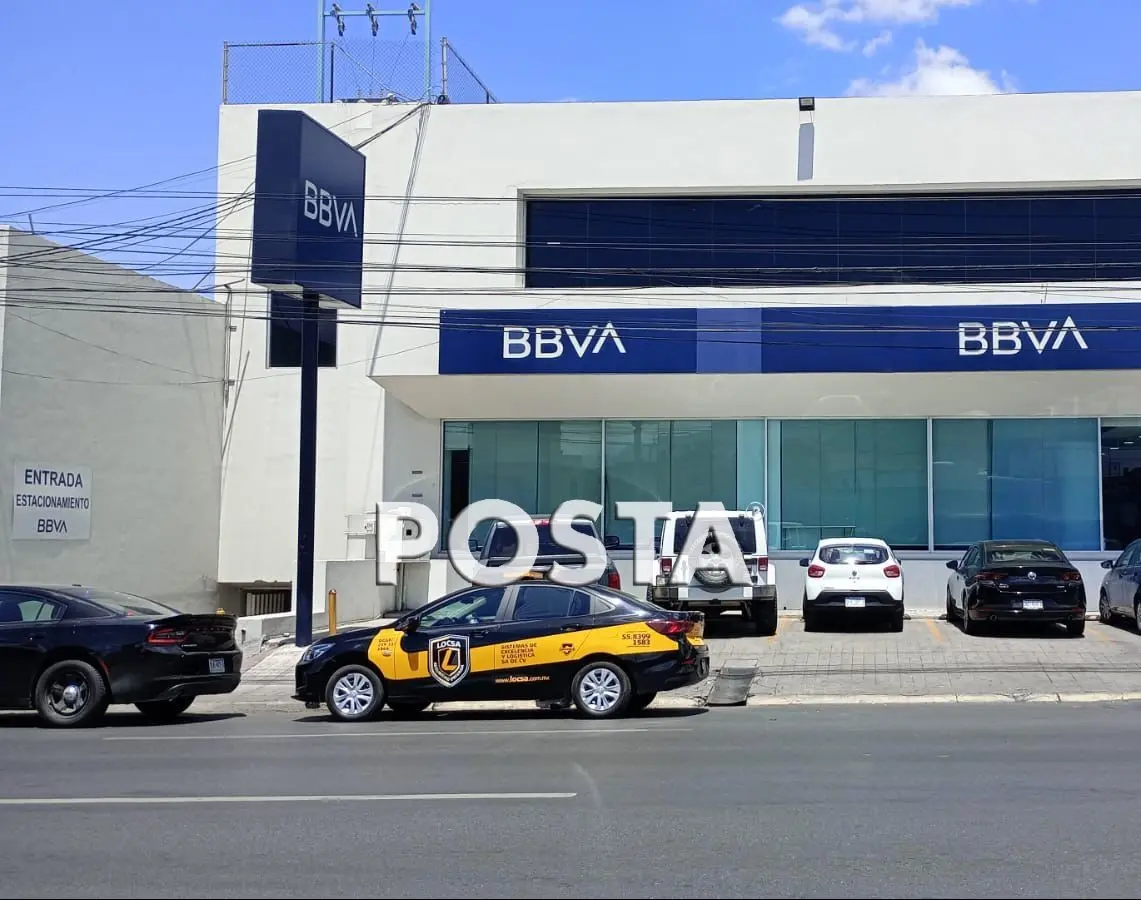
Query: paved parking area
point(931, 657)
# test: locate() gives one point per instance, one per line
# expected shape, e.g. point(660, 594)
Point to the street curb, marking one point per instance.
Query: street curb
point(904, 699)
point(664, 703)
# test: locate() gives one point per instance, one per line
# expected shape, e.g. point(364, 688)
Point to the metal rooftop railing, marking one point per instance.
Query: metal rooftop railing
point(349, 69)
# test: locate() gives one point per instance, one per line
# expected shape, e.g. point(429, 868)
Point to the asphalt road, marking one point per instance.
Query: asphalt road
point(858, 801)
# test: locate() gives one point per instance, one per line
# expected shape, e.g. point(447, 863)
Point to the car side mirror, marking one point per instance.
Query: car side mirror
point(804, 563)
point(473, 545)
point(1108, 563)
point(953, 565)
point(611, 542)
point(409, 625)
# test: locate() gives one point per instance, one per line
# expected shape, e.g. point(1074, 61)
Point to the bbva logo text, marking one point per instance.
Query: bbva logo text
point(327, 211)
point(550, 342)
point(1011, 338)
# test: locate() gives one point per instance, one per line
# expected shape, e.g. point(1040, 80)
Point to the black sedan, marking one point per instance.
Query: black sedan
point(1016, 581)
point(68, 652)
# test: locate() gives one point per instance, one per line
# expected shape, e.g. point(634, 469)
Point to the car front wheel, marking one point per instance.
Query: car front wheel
point(354, 693)
point(71, 694)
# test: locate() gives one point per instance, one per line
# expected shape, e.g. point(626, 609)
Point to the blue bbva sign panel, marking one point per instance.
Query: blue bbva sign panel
point(309, 202)
point(800, 339)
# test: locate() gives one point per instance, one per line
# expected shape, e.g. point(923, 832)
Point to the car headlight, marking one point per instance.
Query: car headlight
point(315, 651)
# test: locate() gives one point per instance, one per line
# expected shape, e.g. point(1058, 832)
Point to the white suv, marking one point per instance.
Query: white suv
point(712, 590)
point(858, 574)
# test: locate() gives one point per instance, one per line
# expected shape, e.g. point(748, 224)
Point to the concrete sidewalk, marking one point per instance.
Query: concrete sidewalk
point(932, 661)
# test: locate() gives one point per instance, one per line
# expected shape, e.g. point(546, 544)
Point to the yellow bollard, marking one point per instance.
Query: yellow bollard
point(332, 610)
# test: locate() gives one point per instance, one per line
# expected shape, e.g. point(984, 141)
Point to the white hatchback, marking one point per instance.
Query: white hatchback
point(858, 574)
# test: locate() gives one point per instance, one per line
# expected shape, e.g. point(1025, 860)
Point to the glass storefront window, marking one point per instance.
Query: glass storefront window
point(1016, 478)
point(848, 478)
point(1121, 481)
point(536, 465)
point(1050, 478)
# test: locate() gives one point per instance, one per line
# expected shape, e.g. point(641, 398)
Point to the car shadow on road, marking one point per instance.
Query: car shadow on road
point(1030, 631)
point(506, 716)
point(116, 719)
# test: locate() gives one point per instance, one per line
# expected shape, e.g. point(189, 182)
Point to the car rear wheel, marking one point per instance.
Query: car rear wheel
point(71, 694)
point(764, 615)
point(1076, 629)
point(164, 710)
point(897, 618)
point(354, 693)
point(601, 690)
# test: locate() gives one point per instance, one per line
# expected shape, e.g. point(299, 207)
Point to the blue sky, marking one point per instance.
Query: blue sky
point(105, 96)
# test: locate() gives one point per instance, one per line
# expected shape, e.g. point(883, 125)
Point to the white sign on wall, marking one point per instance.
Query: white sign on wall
point(51, 503)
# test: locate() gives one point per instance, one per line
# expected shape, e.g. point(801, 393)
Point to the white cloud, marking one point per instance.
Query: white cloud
point(937, 71)
point(818, 22)
point(880, 40)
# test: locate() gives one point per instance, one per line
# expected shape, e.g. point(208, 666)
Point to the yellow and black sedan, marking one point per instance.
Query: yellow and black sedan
point(604, 651)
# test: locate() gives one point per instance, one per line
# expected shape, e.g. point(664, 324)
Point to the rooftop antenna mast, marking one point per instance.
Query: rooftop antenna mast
point(374, 15)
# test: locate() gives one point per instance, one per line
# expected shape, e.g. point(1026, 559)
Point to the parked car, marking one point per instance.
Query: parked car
point(68, 652)
point(861, 575)
point(603, 650)
point(503, 543)
point(1015, 581)
point(1120, 593)
point(711, 590)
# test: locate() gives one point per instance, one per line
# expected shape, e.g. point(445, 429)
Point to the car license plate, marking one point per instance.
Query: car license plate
point(1031, 604)
point(217, 666)
point(854, 602)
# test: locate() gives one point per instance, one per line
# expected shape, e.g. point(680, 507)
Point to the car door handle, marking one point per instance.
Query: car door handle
point(571, 628)
point(35, 637)
point(482, 632)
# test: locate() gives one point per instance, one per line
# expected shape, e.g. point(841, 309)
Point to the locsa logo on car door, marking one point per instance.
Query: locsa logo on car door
point(449, 659)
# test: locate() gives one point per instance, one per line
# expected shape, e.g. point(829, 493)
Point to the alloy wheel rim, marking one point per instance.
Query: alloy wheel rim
point(68, 694)
point(353, 694)
point(600, 689)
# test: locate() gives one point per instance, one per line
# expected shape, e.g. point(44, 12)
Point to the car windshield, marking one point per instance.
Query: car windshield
point(504, 542)
point(125, 604)
point(744, 529)
point(853, 555)
point(1024, 553)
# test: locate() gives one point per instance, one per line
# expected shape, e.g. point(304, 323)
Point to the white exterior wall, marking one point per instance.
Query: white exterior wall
point(135, 396)
point(371, 451)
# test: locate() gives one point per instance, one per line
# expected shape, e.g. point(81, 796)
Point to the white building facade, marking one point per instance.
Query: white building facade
point(908, 318)
point(111, 418)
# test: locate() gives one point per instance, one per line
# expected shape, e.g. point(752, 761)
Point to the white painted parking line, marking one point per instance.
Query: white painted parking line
point(567, 732)
point(300, 798)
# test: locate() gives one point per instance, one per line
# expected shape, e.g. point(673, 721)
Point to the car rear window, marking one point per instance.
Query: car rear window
point(505, 543)
point(853, 555)
point(126, 604)
point(744, 529)
point(1028, 553)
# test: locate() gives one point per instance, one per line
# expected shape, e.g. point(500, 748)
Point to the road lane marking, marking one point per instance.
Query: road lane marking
point(297, 798)
point(934, 629)
point(1098, 635)
point(776, 634)
point(383, 734)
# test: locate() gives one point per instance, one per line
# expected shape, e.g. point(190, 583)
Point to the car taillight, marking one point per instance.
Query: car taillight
point(1071, 576)
point(891, 571)
point(762, 563)
point(815, 571)
point(167, 636)
point(992, 576)
point(613, 580)
point(666, 565)
point(671, 627)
